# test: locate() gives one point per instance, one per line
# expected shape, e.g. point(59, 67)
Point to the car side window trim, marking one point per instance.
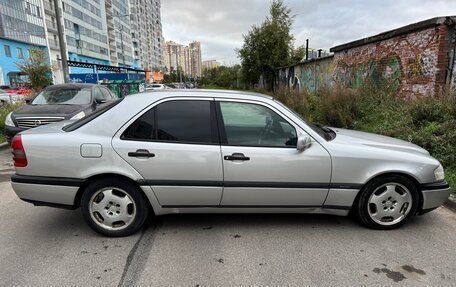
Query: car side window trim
point(215, 138)
point(222, 131)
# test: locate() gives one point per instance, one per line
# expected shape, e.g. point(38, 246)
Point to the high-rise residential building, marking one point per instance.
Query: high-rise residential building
point(195, 59)
point(173, 56)
point(119, 30)
point(21, 29)
point(104, 32)
point(187, 58)
point(146, 34)
point(210, 64)
point(84, 30)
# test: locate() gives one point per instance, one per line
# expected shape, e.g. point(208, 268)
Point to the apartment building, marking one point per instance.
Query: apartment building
point(147, 38)
point(21, 29)
point(105, 32)
point(210, 64)
point(187, 58)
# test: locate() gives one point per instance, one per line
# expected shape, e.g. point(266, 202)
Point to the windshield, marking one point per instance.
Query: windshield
point(63, 97)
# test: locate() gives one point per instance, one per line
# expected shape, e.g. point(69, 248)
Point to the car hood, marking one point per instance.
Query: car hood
point(377, 141)
point(48, 110)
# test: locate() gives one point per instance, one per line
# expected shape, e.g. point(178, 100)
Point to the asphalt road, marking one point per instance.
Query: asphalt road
point(42, 246)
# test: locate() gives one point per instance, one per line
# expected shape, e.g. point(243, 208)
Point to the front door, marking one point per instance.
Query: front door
point(262, 167)
point(175, 147)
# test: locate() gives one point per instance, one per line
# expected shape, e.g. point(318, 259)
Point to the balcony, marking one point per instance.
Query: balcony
point(49, 8)
point(54, 45)
point(51, 26)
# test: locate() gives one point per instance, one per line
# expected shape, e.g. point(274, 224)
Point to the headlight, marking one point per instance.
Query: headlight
point(78, 116)
point(439, 173)
point(9, 120)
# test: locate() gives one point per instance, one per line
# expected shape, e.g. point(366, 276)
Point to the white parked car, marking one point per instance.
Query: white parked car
point(197, 151)
point(155, 87)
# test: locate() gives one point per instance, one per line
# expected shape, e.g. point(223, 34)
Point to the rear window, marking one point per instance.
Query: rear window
point(79, 123)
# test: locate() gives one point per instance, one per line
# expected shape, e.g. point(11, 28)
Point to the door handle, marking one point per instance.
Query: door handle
point(141, 153)
point(236, 156)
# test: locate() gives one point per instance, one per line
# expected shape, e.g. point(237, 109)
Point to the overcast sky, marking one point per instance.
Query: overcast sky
point(220, 24)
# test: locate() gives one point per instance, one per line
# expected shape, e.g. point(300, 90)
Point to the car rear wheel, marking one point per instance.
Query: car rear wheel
point(114, 207)
point(387, 202)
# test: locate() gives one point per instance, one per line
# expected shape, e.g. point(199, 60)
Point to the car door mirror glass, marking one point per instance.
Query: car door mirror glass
point(303, 143)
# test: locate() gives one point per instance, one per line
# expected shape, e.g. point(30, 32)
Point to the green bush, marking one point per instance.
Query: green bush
point(5, 109)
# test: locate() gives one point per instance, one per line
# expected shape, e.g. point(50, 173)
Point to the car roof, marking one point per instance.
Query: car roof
point(202, 93)
point(71, 86)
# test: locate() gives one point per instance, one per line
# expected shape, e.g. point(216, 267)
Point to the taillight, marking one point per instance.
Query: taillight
point(19, 158)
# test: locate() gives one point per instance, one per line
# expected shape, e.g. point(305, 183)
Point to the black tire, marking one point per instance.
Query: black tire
point(139, 207)
point(362, 206)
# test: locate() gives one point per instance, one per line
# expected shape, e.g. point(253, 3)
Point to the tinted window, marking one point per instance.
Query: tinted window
point(185, 121)
point(143, 128)
point(176, 121)
point(255, 125)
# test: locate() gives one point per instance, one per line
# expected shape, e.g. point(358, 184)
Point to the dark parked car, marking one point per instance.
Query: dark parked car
point(57, 103)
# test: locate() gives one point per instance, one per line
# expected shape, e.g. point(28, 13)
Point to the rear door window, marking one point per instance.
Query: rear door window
point(179, 121)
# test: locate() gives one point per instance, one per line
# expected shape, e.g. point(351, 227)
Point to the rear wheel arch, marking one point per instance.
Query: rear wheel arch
point(94, 178)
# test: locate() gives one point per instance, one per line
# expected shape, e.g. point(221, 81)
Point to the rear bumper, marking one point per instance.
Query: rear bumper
point(434, 194)
point(45, 192)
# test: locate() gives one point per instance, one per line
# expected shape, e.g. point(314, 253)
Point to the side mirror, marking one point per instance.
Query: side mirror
point(100, 101)
point(303, 143)
point(28, 100)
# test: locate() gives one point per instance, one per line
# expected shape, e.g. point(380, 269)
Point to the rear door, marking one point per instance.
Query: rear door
point(262, 167)
point(175, 147)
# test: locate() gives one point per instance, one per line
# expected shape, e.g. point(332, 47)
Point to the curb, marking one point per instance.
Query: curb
point(4, 145)
point(450, 204)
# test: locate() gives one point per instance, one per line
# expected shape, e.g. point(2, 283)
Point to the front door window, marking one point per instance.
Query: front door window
point(256, 125)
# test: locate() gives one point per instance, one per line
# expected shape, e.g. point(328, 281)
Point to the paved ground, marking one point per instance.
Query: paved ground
point(43, 246)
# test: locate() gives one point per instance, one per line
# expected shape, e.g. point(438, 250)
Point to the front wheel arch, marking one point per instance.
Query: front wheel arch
point(408, 176)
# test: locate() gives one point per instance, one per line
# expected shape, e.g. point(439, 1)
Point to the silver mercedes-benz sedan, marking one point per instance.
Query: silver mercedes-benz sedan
point(200, 151)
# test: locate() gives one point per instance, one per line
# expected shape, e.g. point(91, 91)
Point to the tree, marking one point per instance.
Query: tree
point(268, 46)
point(36, 66)
point(298, 54)
point(223, 77)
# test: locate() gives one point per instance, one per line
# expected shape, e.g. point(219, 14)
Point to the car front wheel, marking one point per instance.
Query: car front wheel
point(114, 207)
point(387, 202)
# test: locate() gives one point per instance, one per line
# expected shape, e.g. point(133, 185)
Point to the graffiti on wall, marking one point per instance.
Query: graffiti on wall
point(308, 76)
point(405, 64)
point(385, 72)
point(287, 77)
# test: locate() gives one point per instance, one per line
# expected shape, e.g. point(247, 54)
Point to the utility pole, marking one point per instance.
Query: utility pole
point(63, 52)
point(122, 45)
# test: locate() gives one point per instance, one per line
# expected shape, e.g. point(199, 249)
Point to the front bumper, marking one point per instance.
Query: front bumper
point(434, 194)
